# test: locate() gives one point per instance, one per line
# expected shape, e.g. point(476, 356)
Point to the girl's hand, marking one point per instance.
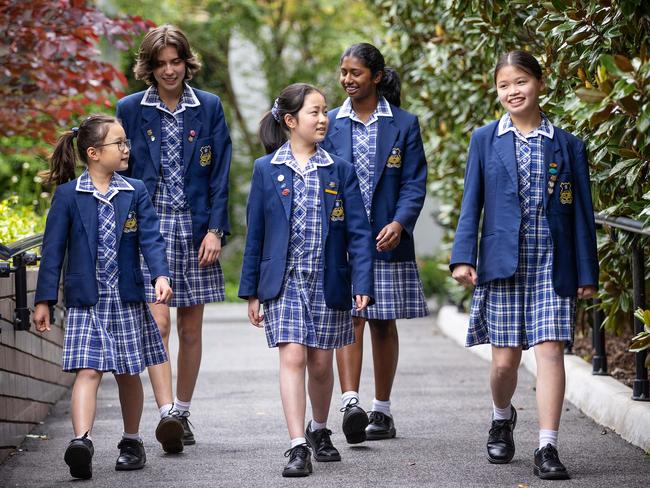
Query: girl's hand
point(389, 237)
point(585, 292)
point(164, 292)
point(210, 250)
point(361, 301)
point(465, 275)
point(254, 315)
point(41, 317)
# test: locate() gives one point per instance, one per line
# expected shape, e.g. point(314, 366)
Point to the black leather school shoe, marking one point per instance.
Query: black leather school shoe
point(299, 462)
point(132, 455)
point(548, 465)
point(78, 456)
point(355, 421)
point(170, 433)
point(188, 435)
point(501, 443)
point(380, 426)
point(321, 443)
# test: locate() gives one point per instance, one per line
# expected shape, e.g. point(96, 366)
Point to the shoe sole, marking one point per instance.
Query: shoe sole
point(189, 442)
point(127, 467)
point(309, 469)
point(355, 428)
point(378, 437)
point(499, 461)
point(170, 436)
point(550, 476)
point(79, 459)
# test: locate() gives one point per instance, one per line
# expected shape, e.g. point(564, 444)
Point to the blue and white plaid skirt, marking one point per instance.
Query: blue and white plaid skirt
point(112, 336)
point(191, 285)
point(398, 292)
point(300, 315)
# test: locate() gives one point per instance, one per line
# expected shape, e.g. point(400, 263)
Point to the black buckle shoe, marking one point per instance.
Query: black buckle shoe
point(170, 433)
point(321, 443)
point(132, 455)
point(501, 443)
point(78, 456)
point(299, 462)
point(380, 426)
point(355, 421)
point(188, 435)
point(548, 465)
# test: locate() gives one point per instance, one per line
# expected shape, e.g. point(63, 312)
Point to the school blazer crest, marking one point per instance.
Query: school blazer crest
point(491, 187)
point(347, 241)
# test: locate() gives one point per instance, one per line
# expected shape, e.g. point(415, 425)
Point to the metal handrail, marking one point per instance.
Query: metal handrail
point(20, 246)
point(624, 223)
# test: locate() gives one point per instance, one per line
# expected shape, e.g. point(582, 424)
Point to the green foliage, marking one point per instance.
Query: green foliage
point(597, 73)
point(18, 221)
point(434, 273)
point(641, 341)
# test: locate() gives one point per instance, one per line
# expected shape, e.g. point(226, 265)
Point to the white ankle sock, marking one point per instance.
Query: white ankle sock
point(347, 396)
point(182, 407)
point(547, 436)
point(297, 441)
point(134, 437)
point(381, 406)
point(313, 425)
point(164, 410)
point(501, 413)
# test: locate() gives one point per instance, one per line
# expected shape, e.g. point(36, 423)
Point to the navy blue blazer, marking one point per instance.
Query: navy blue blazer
point(491, 186)
point(206, 156)
point(71, 229)
point(398, 189)
point(269, 223)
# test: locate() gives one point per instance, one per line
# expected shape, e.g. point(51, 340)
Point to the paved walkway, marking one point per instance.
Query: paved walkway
point(441, 404)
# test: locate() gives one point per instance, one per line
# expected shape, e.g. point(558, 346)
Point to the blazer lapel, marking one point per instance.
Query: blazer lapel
point(282, 178)
point(341, 138)
point(505, 148)
point(552, 154)
point(387, 134)
point(190, 123)
point(329, 189)
point(152, 134)
point(121, 204)
point(87, 206)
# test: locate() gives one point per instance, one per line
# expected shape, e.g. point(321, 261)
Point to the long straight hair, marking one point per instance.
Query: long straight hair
point(390, 86)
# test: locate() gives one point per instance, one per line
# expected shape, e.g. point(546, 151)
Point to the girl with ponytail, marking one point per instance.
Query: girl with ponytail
point(97, 226)
point(384, 144)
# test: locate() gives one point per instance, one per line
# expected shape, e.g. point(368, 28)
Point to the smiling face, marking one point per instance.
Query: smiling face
point(310, 123)
point(518, 91)
point(357, 79)
point(169, 71)
point(109, 156)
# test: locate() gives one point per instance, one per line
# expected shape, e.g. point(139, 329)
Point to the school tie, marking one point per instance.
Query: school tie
point(362, 164)
point(299, 221)
point(107, 242)
point(172, 165)
point(524, 183)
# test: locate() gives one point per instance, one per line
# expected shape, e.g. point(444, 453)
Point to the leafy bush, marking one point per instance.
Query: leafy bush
point(18, 221)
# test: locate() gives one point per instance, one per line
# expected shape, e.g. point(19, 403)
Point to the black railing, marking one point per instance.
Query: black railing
point(17, 252)
point(640, 386)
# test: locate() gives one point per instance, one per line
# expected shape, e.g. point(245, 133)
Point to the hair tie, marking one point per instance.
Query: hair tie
point(75, 131)
point(274, 111)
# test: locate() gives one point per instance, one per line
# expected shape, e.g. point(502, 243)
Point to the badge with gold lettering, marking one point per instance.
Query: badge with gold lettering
point(566, 195)
point(395, 158)
point(338, 213)
point(206, 156)
point(131, 224)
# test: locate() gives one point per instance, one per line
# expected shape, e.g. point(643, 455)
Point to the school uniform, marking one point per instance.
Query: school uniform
point(109, 326)
point(302, 226)
point(389, 161)
point(183, 157)
point(538, 242)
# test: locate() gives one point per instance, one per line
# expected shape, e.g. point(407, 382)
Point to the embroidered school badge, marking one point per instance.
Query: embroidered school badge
point(395, 158)
point(206, 155)
point(566, 195)
point(338, 214)
point(131, 224)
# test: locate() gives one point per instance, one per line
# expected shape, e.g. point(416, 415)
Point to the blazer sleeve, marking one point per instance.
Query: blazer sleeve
point(585, 226)
point(53, 251)
point(220, 173)
point(465, 247)
point(359, 237)
point(413, 185)
point(152, 243)
point(255, 223)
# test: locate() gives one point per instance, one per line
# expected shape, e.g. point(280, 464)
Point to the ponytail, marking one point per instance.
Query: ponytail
point(272, 132)
point(389, 87)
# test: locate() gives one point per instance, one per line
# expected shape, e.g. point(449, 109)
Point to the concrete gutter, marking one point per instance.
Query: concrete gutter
point(602, 398)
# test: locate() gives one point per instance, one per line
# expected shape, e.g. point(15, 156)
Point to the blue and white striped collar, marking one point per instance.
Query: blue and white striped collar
point(117, 184)
point(284, 156)
point(382, 110)
point(152, 98)
point(545, 128)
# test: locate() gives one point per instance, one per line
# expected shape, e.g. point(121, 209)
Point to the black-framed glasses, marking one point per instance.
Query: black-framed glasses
point(121, 145)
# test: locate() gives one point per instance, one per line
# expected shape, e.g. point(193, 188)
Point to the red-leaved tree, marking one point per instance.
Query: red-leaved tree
point(50, 65)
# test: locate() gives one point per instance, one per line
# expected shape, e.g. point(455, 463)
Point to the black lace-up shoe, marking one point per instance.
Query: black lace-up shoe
point(355, 421)
point(78, 456)
point(548, 465)
point(132, 455)
point(321, 443)
point(380, 426)
point(170, 433)
point(188, 435)
point(501, 444)
point(299, 462)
